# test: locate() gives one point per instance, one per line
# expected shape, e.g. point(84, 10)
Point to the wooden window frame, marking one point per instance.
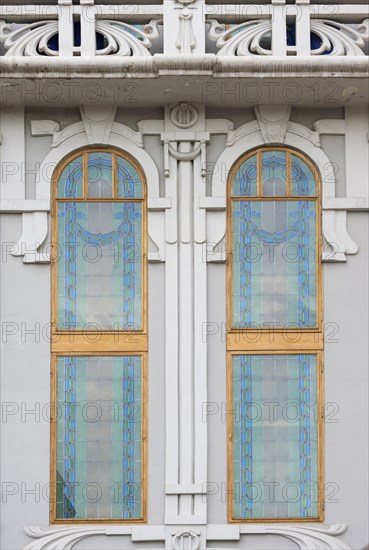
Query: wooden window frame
point(95, 342)
point(274, 341)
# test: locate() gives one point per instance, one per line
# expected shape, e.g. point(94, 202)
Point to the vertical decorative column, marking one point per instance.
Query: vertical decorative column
point(66, 36)
point(184, 26)
point(186, 444)
point(84, 14)
point(279, 37)
point(298, 15)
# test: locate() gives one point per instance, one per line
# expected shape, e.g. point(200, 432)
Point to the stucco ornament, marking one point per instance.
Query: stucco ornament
point(186, 540)
point(186, 39)
point(120, 38)
point(321, 537)
point(184, 115)
point(254, 38)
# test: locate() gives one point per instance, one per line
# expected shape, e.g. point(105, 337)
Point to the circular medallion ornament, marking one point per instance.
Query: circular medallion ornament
point(184, 115)
point(186, 539)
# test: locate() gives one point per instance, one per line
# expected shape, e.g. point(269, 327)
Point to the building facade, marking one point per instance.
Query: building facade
point(184, 319)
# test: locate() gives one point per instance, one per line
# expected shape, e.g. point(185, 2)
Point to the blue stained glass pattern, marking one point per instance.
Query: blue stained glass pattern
point(99, 437)
point(274, 264)
point(245, 179)
point(100, 265)
point(129, 180)
point(274, 173)
point(99, 175)
point(275, 446)
point(70, 183)
point(303, 179)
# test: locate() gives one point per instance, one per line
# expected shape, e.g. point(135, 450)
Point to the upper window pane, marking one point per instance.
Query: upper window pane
point(274, 174)
point(100, 265)
point(303, 179)
point(100, 175)
point(70, 184)
point(245, 179)
point(100, 242)
point(274, 264)
point(129, 180)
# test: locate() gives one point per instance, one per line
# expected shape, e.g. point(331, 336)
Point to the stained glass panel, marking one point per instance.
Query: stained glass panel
point(275, 436)
point(303, 180)
point(245, 179)
point(274, 174)
point(99, 435)
point(100, 265)
point(100, 175)
point(274, 264)
point(70, 183)
point(129, 180)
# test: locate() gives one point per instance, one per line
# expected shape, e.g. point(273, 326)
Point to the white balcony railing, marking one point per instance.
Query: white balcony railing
point(88, 28)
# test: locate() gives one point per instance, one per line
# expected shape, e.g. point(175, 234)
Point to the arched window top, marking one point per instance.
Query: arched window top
point(100, 174)
point(274, 172)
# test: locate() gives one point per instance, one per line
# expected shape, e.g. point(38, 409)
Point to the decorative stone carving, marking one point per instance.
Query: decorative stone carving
point(186, 39)
point(252, 135)
point(98, 122)
point(254, 38)
point(184, 115)
point(273, 121)
point(186, 540)
point(121, 38)
point(97, 127)
point(319, 537)
point(240, 40)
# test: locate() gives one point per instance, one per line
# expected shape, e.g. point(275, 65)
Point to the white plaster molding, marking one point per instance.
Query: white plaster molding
point(186, 539)
point(240, 40)
point(249, 136)
point(15, 206)
point(121, 38)
point(98, 122)
point(303, 132)
point(127, 40)
point(330, 126)
point(186, 39)
point(72, 138)
point(44, 127)
point(65, 538)
point(339, 38)
point(34, 235)
point(184, 115)
point(306, 537)
point(250, 37)
point(103, 130)
point(273, 121)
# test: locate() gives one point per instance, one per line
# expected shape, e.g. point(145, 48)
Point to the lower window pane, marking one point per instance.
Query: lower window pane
point(99, 437)
point(275, 436)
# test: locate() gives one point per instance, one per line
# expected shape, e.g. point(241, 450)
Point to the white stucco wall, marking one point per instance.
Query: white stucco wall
point(25, 291)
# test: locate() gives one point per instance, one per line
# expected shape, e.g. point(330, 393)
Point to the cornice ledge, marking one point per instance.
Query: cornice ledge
point(14, 67)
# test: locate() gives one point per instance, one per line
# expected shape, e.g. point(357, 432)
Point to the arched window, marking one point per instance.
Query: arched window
point(99, 338)
point(274, 338)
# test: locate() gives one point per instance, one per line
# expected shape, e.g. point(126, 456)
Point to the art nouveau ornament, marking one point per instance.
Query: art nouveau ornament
point(41, 38)
point(255, 38)
point(321, 537)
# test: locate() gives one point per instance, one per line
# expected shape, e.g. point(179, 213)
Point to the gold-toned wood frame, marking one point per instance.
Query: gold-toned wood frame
point(53, 445)
point(230, 450)
point(94, 342)
point(62, 337)
point(274, 341)
point(239, 338)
